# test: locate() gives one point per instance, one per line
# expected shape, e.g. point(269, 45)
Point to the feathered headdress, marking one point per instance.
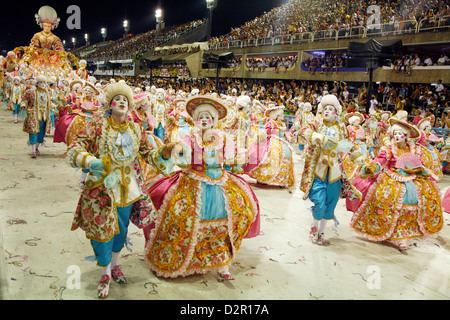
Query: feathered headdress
point(49, 15)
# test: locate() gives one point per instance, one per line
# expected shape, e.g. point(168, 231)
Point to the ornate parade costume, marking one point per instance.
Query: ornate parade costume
point(46, 51)
point(357, 134)
point(15, 98)
point(370, 126)
point(81, 71)
point(68, 112)
point(37, 103)
point(270, 160)
point(204, 210)
point(381, 132)
point(238, 125)
point(400, 198)
point(305, 117)
point(428, 140)
point(159, 110)
point(89, 108)
point(140, 116)
point(325, 169)
point(115, 192)
point(179, 123)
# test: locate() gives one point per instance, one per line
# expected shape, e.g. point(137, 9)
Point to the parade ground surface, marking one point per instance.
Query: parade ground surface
point(42, 259)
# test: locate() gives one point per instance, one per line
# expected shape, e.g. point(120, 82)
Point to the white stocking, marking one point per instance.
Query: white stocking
point(323, 224)
point(315, 223)
point(33, 148)
point(83, 176)
point(107, 270)
point(115, 255)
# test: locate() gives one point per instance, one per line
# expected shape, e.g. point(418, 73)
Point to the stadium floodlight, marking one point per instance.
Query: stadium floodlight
point(210, 4)
point(159, 18)
point(126, 27)
point(103, 32)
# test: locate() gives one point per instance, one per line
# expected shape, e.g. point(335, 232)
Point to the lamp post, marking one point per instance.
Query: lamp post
point(126, 27)
point(74, 41)
point(159, 19)
point(210, 4)
point(159, 22)
point(86, 38)
point(103, 32)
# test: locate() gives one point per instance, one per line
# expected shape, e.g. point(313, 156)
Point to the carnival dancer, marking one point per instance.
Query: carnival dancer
point(145, 119)
point(81, 72)
point(55, 97)
point(370, 126)
point(306, 116)
point(2, 78)
point(68, 112)
point(270, 161)
point(204, 211)
point(37, 103)
point(114, 193)
point(179, 123)
point(15, 98)
point(430, 141)
point(10, 65)
point(8, 81)
point(89, 109)
point(382, 131)
point(400, 198)
point(325, 170)
point(159, 110)
point(356, 132)
point(238, 124)
point(257, 112)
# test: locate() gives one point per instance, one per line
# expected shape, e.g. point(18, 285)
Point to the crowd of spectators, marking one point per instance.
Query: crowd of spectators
point(130, 46)
point(419, 100)
point(260, 64)
point(329, 62)
point(177, 50)
point(407, 62)
point(300, 16)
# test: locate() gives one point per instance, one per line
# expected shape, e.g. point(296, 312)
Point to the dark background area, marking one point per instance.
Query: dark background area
point(18, 24)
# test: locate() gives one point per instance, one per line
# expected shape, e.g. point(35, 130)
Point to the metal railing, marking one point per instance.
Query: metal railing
point(385, 29)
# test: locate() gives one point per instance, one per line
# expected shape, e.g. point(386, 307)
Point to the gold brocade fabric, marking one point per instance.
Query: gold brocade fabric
point(384, 216)
point(183, 244)
point(276, 168)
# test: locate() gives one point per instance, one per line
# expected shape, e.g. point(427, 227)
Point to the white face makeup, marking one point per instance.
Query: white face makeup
point(181, 106)
point(76, 88)
point(144, 106)
point(41, 84)
point(277, 114)
point(385, 117)
point(160, 96)
point(399, 136)
point(426, 127)
point(246, 109)
point(329, 113)
point(119, 105)
point(205, 120)
point(89, 92)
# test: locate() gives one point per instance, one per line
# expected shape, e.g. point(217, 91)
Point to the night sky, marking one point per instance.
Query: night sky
point(18, 22)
